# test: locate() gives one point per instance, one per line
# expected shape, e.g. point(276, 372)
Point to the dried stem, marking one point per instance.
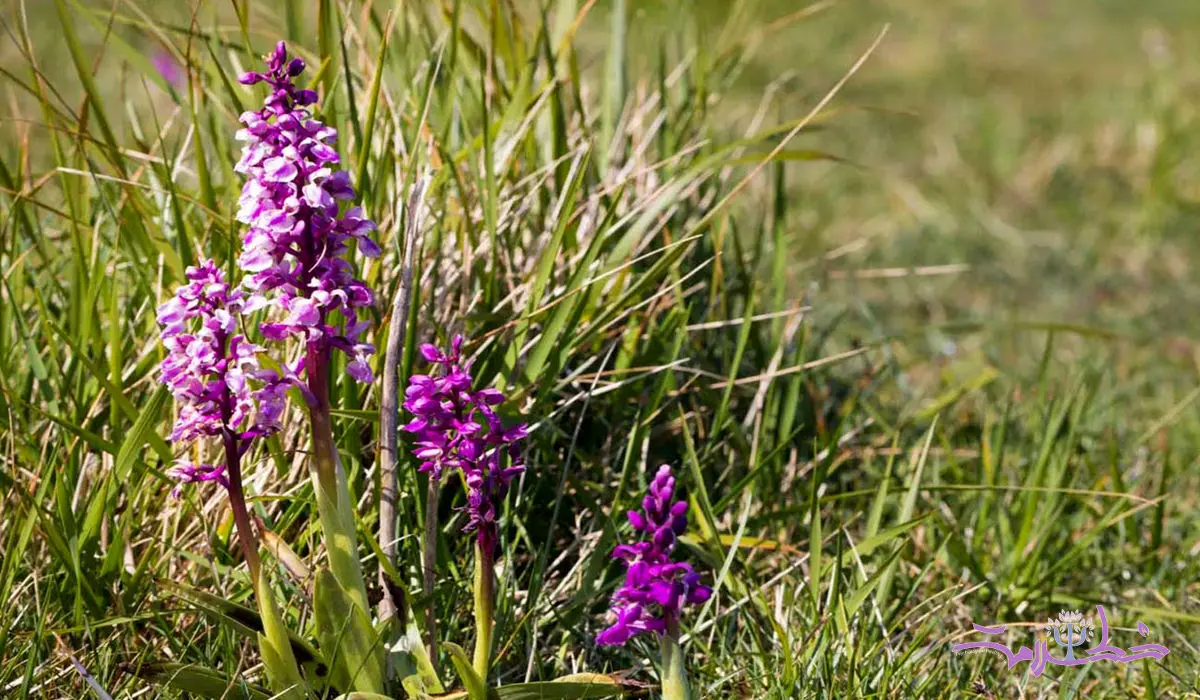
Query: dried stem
point(389, 405)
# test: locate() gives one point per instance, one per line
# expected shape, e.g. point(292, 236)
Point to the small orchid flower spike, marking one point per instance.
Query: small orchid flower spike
point(456, 427)
point(214, 373)
point(656, 587)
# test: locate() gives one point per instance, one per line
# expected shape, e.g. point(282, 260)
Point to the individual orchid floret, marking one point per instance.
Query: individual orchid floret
point(186, 472)
point(295, 250)
point(656, 588)
point(213, 371)
point(456, 427)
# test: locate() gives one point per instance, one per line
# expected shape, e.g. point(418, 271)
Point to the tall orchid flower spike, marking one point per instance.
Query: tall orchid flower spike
point(295, 257)
point(656, 587)
point(299, 237)
point(456, 427)
point(221, 391)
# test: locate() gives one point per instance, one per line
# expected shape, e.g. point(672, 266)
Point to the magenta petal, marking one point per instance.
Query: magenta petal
point(361, 371)
point(415, 425)
point(430, 353)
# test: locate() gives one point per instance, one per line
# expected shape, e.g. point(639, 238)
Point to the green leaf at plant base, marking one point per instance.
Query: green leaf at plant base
point(274, 644)
point(412, 646)
point(476, 688)
point(414, 687)
point(200, 681)
point(408, 656)
point(248, 622)
point(354, 650)
point(281, 671)
point(576, 685)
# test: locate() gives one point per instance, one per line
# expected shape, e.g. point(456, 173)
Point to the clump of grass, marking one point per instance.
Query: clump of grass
point(628, 260)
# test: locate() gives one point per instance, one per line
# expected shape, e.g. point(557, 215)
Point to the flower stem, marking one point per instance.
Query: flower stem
point(485, 582)
point(674, 674)
point(429, 564)
point(233, 472)
point(237, 503)
point(329, 481)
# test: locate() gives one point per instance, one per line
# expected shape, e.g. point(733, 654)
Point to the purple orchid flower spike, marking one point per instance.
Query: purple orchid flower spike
point(213, 371)
point(297, 204)
point(295, 251)
point(456, 427)
point(219, 386)
point(656, 588)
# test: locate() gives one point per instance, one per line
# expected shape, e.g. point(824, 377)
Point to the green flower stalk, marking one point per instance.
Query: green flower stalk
point(485, 595)
point(674, 673)
point(329, 481)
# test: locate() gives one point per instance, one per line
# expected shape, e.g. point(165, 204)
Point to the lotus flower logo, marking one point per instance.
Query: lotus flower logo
point(1071, 630)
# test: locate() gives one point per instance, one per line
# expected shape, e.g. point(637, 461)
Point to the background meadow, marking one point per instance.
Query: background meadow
point(905, 292)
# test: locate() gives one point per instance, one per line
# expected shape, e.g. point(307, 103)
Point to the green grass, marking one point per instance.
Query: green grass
point(932, 361)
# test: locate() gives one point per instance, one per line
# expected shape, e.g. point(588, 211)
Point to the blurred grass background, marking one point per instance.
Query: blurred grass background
point(1043, 144)
point(1041, 148)
point(999, 208)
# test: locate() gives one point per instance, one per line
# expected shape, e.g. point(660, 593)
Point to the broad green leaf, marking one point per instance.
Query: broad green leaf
point(578, 685)
point(354, 651)
point(476, 688)
point(281, 670)
point(201, 681)
point(274, 644)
